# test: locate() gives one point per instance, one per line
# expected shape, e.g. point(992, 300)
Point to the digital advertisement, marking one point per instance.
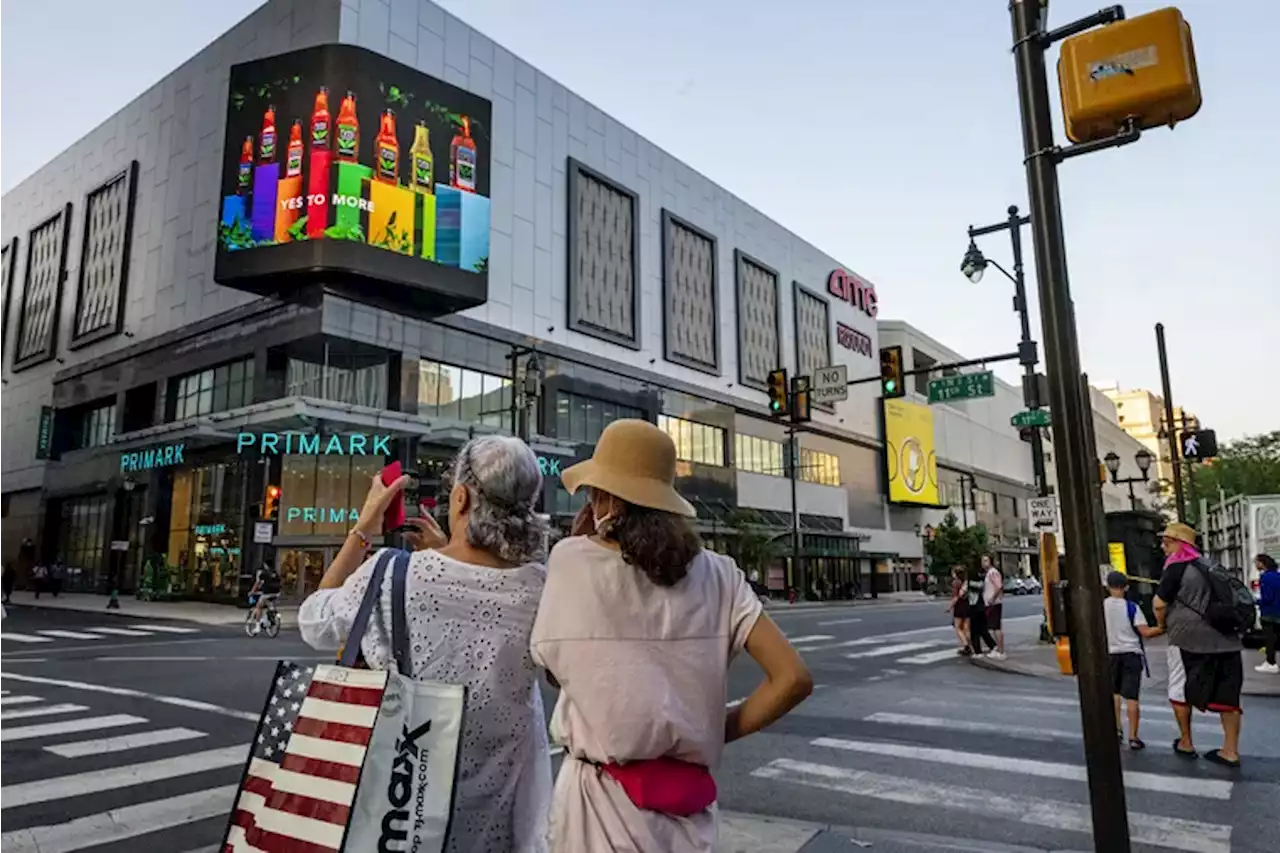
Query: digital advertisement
point(911, 462)
point(340, 160)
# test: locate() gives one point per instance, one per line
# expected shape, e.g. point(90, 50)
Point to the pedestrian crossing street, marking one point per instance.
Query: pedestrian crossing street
point(969, 755)
point(911, 648)
point(53, 635)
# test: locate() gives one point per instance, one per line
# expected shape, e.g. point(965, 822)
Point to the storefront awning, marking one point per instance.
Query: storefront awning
point(715, 516)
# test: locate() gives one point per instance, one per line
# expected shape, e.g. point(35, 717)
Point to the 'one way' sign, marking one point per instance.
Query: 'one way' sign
point(1199, 445)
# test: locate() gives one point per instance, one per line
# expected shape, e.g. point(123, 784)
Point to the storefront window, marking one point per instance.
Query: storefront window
point(457, 393)
point(93, 427)
point(344, 379)
point(322, 495)
point(818, 467)
point(204, 529)
point(83, 545)
point(695, 442)
point(228, 386)
point(582, 418)
point(758, 455)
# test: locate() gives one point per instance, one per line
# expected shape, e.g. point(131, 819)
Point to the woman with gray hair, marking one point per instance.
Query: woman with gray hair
point(471, 598)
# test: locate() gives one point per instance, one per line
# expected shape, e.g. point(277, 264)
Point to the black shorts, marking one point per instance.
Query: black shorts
point(962, 608)
point(1213, 680)
point(1126, 674)
point(995, 614)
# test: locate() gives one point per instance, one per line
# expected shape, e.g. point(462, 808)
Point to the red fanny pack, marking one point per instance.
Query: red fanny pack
point(665, 785)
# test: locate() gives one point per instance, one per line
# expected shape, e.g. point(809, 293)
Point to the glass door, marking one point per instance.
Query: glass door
point(301, 570)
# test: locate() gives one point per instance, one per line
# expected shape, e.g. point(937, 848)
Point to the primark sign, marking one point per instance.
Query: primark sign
point(314, 444)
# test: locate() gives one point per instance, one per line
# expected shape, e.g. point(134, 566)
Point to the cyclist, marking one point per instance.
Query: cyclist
point(266, 585)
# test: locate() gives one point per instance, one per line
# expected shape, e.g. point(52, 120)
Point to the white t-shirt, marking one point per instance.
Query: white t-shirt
point(1121, 637)
point(993, 585)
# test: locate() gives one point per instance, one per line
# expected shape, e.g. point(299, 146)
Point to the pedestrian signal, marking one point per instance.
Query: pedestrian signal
point(891, 384)
point(800, 403)
point(271, 505)
point(778, 393)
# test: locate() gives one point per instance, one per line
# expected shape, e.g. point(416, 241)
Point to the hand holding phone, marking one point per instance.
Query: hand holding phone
point(394, 516)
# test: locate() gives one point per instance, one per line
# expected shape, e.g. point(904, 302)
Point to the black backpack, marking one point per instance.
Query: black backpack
point(1231, 609)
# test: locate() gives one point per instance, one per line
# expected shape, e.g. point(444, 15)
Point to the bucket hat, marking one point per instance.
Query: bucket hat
point(1179, 531)
point(634, 461)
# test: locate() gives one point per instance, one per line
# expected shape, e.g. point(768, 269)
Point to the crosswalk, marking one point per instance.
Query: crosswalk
point(106, 632)
point(984, 757)
point(918, 651)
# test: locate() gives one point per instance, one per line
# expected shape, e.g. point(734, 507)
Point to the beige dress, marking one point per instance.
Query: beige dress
point(643, 672)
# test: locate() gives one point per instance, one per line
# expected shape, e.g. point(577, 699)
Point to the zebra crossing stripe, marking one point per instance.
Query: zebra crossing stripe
point(120, 632)
point(930, 657)
point(18, 700)
point(24, 638)
point(69, 635)
point(121, 824)
point(1192, 836)
point(101, 746)
point(890, 650)
point(42, 711)
point(85, 724)
point(169, 629)
point(1213, 789)
point(1027, 732)
point(810, 638)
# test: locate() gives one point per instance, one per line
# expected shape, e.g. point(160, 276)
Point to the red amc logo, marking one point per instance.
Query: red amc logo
point(858, 293)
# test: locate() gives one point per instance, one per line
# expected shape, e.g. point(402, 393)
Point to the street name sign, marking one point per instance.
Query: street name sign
point(1043, 513)
point(1032, 418)
point(962, 386)
point(830, 384)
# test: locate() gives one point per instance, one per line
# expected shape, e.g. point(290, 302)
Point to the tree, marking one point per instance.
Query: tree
point(1247, 466)
point(754, 549)
point(954, 545)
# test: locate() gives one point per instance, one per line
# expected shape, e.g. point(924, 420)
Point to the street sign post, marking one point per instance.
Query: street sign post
point(263, 532)
point(830, 384)
point(1043, 513)
point(962, 386)
point(1032, 418)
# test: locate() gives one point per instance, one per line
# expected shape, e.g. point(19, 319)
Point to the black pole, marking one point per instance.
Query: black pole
point(1027, 349)
point(1072, 421)
point(1175, 454)
point(793, 464)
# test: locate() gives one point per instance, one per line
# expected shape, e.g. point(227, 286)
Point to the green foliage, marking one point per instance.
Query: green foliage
point(1247, 466)
point(754, 548)
point(264, 91)
point(954, 545)
point(238, 235)
point(394, 238)
point(482, 265)
point(452, 119)
point(298, 230)
point(345, 232)
point(395, 95)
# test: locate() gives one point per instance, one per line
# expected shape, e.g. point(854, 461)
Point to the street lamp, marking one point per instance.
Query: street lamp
point(1143, 459)
point(974, 264)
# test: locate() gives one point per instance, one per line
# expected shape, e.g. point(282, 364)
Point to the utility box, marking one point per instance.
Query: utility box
point(1143, 68)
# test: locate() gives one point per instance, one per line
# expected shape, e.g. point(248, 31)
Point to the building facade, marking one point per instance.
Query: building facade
point(1140, 413)
point(167, 433)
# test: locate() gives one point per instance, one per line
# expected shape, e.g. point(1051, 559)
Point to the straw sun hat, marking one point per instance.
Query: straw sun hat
point(635, 461)
point(1180, 532)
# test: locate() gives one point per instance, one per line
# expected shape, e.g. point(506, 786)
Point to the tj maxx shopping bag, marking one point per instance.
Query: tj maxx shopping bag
point(351, 759)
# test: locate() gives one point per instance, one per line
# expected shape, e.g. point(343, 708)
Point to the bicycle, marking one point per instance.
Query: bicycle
point(270, 615)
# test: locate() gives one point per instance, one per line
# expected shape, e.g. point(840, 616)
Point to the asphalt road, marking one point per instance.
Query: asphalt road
point(119, 735)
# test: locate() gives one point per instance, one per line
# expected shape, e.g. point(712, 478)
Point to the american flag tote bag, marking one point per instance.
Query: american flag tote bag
point(349, 759)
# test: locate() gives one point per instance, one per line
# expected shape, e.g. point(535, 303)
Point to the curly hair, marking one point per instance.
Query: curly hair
point(502, 474)
point(658, 543)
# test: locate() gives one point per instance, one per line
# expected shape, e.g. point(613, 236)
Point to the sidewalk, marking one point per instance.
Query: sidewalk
point(913, 597)
point(1031, 657)
point(202, 612)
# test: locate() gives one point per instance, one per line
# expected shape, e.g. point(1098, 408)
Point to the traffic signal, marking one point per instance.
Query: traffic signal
point(800, 406)
point(778, 393)
point(271, 505)
point(891, 384)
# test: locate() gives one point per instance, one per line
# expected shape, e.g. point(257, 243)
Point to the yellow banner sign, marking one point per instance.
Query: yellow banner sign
point(911, 461)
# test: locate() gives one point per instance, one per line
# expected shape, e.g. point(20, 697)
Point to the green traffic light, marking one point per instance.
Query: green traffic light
point(890, 385)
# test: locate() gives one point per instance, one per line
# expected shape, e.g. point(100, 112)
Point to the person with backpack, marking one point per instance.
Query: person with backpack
point(1202, 609)
point(266, 585)
point(1126, 629)
point(1269, 605)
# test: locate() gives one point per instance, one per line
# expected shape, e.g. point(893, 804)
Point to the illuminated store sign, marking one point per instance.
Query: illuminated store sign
point(153, 457)
point(852, 289)
point(314, 444)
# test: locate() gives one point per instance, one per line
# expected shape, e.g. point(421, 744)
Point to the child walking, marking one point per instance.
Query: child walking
point(1126, 628)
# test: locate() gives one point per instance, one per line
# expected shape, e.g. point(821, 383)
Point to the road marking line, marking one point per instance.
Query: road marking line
point(86, 724)
point(167, 659)
point(931, 657)
point(1175, 833)
point(24, 638)
point(810, 638)
point(1009, 702)
point(6, 699)
point(120, 632)
point(838, 622)
point(891, 650)
point(43, 711)
point(113, 778)
point(1214, 789)
point(970, 726)
point(120, 824)
point(81, 748)
point(902, 635)
point(69, 635)
point(167, 642)
point(176, 701)
point(169, 629)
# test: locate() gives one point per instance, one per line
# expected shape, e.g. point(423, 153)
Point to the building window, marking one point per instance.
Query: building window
point(759, 346)
point(1013, 505)
point(759, 455)
point(83, 542)
point(228, 386)
point(604, 257)
point(818, 467)
point(93, 427)
point(322, 495)
point(582, 418)
point(984, 501)
point(343, 378)
point(460, 394)
point(10, 264)
point(206, 510)
point(813, 334)
point(920, 361)
point(104, 259)
point(42, 292)
point(689, 287)
point(695, 442)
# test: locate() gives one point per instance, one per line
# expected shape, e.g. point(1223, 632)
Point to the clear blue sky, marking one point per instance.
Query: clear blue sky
point(877, 131)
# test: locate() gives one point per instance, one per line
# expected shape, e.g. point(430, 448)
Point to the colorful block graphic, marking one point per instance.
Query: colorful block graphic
point(425, 238)
point(318, 193)
point(352, 178)
point(288, 214)
point(265, 181)
point(462, 228)
point(391, 212)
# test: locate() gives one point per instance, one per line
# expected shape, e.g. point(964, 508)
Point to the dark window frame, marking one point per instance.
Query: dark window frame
point(577, 170)
point(130, 175)
point(797, 290)
point(739, 258)
point(50, 350)
point(670, 219)
point(10, 252)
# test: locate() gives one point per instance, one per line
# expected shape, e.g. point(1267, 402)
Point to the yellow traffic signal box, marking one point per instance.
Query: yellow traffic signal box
point(1143, 68)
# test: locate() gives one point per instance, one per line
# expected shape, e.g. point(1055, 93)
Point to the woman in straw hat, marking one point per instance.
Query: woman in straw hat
point(638, 625)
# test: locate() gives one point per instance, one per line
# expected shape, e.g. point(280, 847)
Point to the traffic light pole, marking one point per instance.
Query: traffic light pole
point(1175, 452)
point(1077, 471)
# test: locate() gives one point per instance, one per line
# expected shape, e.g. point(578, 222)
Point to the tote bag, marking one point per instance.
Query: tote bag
point(351, 759)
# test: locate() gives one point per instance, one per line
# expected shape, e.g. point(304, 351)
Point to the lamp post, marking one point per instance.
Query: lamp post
point(527, 392)
point(973, 266)
point(925, 532)
point(1143, 459)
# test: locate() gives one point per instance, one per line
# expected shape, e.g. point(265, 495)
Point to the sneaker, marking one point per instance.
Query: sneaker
point(1268, 668)
point(996, 655)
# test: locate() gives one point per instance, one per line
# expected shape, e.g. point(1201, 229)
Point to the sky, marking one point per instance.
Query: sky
point(876, 131)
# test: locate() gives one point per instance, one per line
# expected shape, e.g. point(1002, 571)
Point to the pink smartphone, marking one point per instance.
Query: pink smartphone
point(394, 517)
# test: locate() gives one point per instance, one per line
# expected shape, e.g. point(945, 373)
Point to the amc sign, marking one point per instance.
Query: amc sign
point(858, 293)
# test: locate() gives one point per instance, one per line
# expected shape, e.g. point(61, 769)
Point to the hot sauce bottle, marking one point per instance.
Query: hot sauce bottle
point(267, 142)
point(421, 163)
point(387, 167)
point(293, 158)
point(244, 177)
point(348, 130)
point(462, 159)
point(320, 138)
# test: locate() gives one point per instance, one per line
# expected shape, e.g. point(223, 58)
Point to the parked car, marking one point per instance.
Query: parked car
point(1015, 586)
point(1032, 585)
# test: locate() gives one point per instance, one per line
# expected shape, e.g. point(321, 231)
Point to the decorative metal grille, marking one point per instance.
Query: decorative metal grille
point(758, 350)
point(813, 333)
point(689, 286)
point(104, 259)
point(603, 257)
point(9, 254)
point(42, 290)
